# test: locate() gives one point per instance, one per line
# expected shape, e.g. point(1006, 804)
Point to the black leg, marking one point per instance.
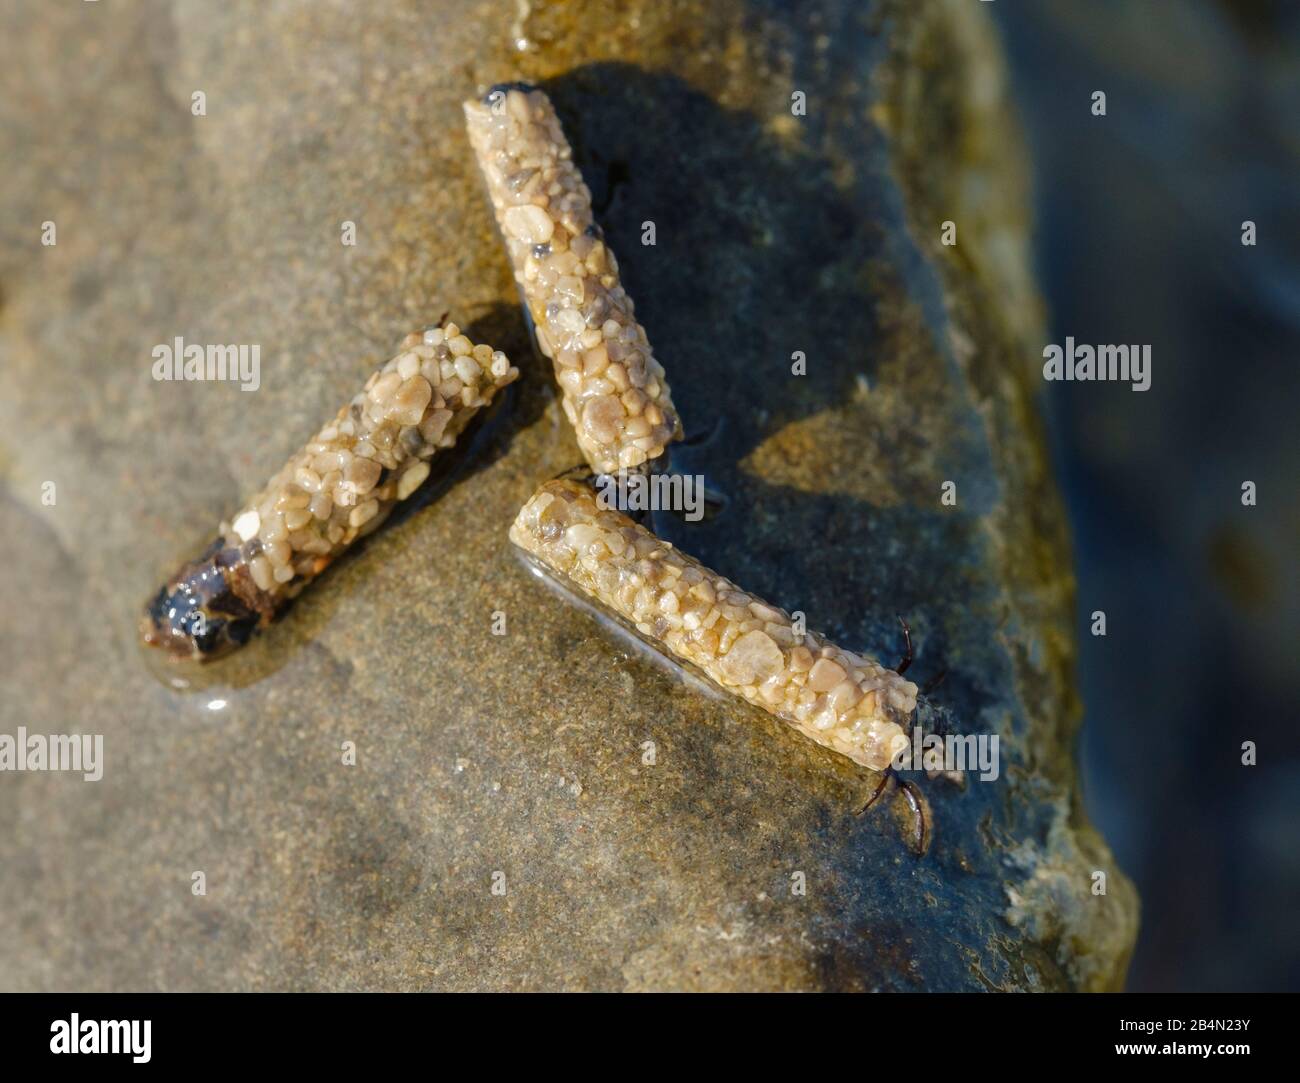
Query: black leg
point(579, 472)
point(934, 682)
point(919, 842)
point(901, 668)
point(885, 776)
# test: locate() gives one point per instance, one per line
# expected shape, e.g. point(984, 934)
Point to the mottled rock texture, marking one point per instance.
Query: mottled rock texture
point(522, 754)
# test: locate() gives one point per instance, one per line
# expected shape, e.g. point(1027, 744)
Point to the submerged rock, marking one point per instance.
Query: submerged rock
point(547, 807)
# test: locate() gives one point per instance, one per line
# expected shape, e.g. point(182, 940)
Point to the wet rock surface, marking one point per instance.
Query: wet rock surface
point(523, 754)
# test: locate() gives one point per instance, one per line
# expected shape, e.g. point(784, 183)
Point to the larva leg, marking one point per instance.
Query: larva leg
point(901, 668)
point(906, 662)
point(843, 701)
point(613, 390)
point(703, 436)
point(338, 488)
point(886, 776)
point(579, 472)
point(914, 817)
point(911, 810)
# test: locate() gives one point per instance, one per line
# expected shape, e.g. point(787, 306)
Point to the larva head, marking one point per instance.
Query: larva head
point(498, 91)
point(195, 616)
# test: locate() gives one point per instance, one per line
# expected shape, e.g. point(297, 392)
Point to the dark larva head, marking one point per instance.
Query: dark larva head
point(196, 616)
point(175, 622)
point(498, 91)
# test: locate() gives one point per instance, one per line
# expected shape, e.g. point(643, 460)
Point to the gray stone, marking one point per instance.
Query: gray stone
point(522, 753)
